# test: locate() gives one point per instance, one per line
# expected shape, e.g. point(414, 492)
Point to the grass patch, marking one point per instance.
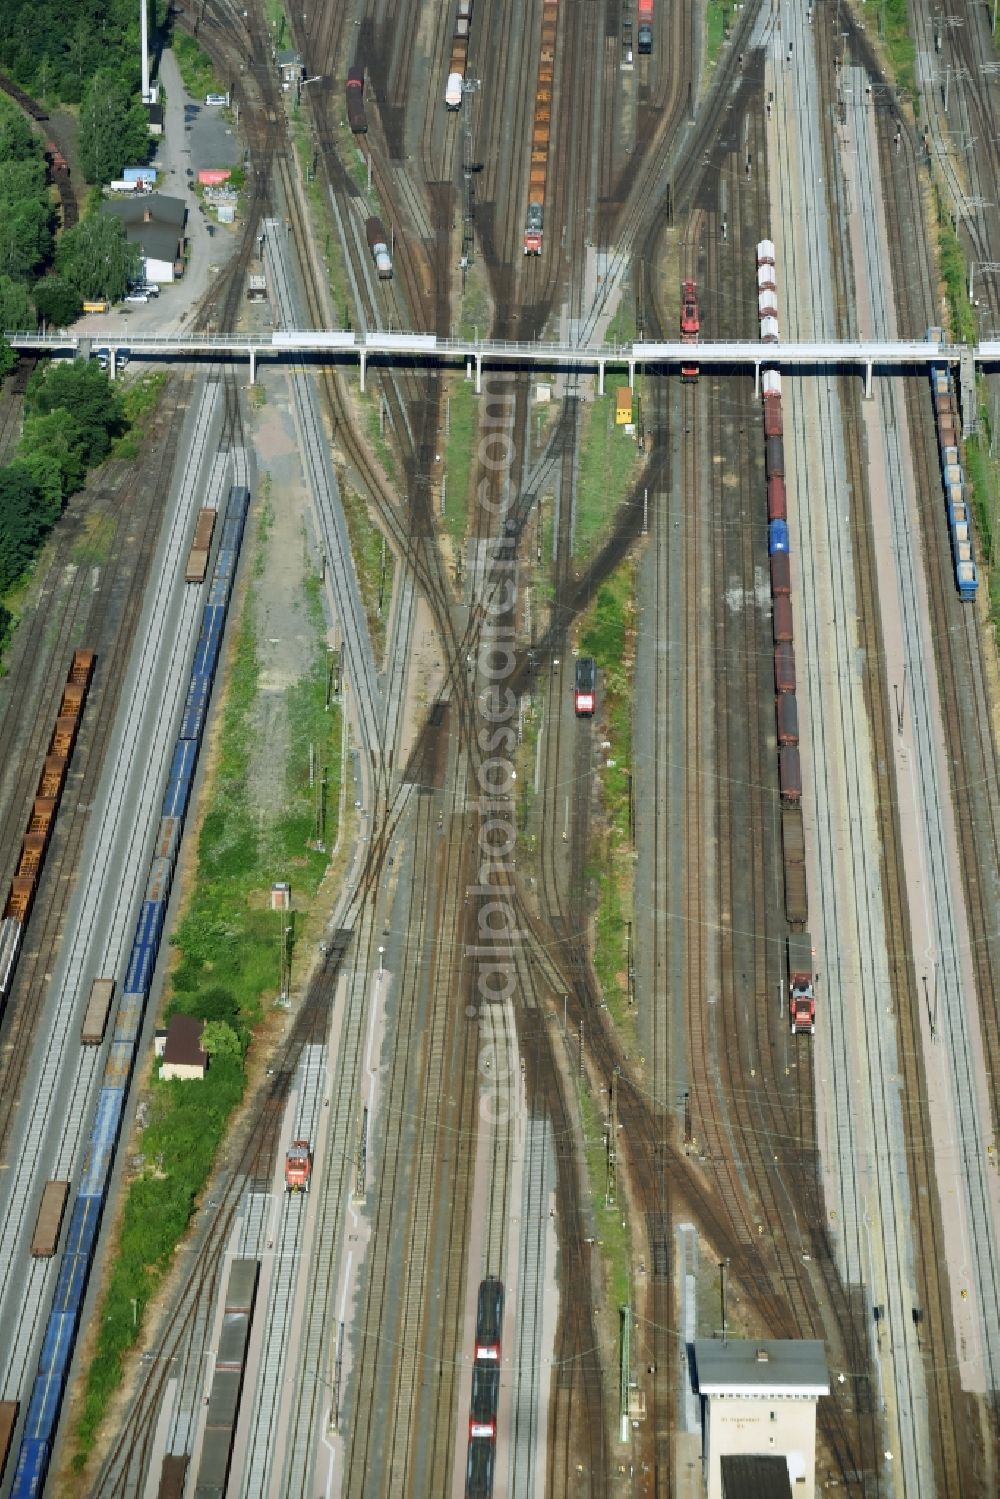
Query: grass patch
point(373, 559)
point(94, 546)
point(608, 634)
point(954, 274)
point(278, 22)
point(140, 398)
point(613, 1234)
point(621, 329)
point(195, 66)
point(475, 319)
point(229, 947)
point(463, 412)
point(379, 424)
point(983, 473)
point(897, 35)
point(320, 218)
point(716, 26)
point(608, 462)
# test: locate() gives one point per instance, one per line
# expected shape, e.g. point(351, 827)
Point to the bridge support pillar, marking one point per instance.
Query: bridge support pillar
point(479, 374)
point(756, 382)
point(600, 377)
point(631, 374)
point(868, 380)
point(361, 356)
point(253, 366)
point(112, 362)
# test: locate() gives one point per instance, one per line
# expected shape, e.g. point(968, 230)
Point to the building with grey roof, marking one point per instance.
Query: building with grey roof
point(759, 1400)
point(155, 222)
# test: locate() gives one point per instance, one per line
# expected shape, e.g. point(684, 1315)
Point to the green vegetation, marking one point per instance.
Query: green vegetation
point(319, 213)
point(278, 22)
point(373, 559)
point(897, 34)
point(71, 417)
point(607, 635)
point(612, 1225)
point(983, 470)
point(97, 260)
point(53, 49)
point(954, 273)
point(609, 460)
point(474, 320)
point(463, 412)
point(195, 67)
point(621, 329)
point(113, 129)
point(229, 960)
point(139, 400)
point(379, 427)
point(716, 26)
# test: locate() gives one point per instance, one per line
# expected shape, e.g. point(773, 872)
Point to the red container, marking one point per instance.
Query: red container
point(782, 623)
point(776, 505)
point(213, 176)
point(781, 574)
point(784, 667)
point(786, 711)
point(773, 426)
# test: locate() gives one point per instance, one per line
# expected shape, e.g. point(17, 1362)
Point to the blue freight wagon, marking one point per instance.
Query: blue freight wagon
point(777, 537)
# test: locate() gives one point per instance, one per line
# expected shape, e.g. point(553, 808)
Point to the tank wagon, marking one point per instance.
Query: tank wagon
point(63, 1321)
point(378, 244)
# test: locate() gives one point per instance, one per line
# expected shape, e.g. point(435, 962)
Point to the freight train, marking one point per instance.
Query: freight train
point(541, 131)
point(953, 478)
point(459, 55)
point(378, 244)
point(71, 1286)
point(585, 689)
point(41, 819)
point(227, 1381)
point(481, 1460)
point(801, 1003)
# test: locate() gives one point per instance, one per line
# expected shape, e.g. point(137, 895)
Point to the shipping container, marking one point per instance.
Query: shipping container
point(128, 1018)
point(8, 1421)
point(224, 1400)
point(781, 574)
point(45, 1241)
point(790, 773)
point(773, 423)
point(766, 278)
point(213, 1466)
point(233, 1341)
point(776, 503)
point(767, 303)
point(774, 457)
point(765, 252)
point(782, 623)
point(784, 668)
point(952, 474)
point(158, 884)
point(98, 1008)
point(787, 716)
point(769, 330)
point(168, 836)
point(777, 537)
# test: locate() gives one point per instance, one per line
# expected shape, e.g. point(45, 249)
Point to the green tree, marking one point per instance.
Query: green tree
point(83, 392)
point(57, 301)
point(17, 140)
point(220, 1040)
point(113, 129)
point(25, 520)
point(54, 449)
point(97, 259)
point(16, 311)
point(8, 358)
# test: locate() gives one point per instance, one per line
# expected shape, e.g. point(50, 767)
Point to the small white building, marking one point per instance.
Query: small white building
point(291, 68)
point(759, 1400)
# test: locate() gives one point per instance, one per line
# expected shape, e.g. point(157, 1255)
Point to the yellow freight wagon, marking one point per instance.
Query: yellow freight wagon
point(623, 407)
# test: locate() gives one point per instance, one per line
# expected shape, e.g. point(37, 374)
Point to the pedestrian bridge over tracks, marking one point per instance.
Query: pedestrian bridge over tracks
point(331, 346)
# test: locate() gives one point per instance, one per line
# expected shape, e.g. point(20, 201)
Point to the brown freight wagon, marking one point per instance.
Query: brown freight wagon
point(774, 456)
point(205, 528)
point(781, 574)
point(793, 837)
point(64, 737)
point(82, 668)
point(782, 623)
point(786, 710)
point(773, 425)
point(98, 1007)
point(20, 899)
point(43, 814)
point(790, 774)
point(172, 1476)
point(72, 700)
point(796, 900)
point(777, 508)
point(197, 566)
point(49, 1221)
point(8, 1421)
point(784, 667)
point(50, 783)
point(32, 854)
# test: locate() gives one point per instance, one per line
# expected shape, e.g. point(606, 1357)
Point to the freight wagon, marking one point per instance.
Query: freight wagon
point(173, 1474)
point(645, 34)
point(356, 115)
point(45, 1240)
point(541, 132)
point(98, 1008)
point(784, 668)
point(787, 715)
point(197, 563)
point(378, 244)
point(8, 1420)
point(789, 774)
point(781, 623)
